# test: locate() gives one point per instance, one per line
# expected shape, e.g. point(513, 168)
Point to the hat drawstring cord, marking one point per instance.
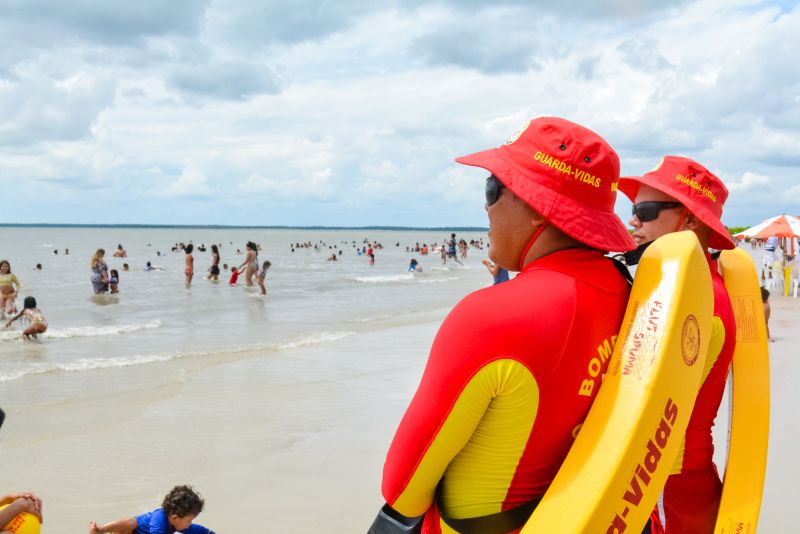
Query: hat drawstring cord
point(681, 220)
point(544, 225)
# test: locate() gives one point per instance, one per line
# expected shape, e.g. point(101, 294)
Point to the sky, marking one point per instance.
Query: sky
point(350, 113)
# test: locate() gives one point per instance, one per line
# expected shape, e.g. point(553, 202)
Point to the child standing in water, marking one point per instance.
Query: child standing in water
point(38, 324)
point(180, 507)
point(189, 269)
point(234, 275)
point(113, 281)
point(262, 274)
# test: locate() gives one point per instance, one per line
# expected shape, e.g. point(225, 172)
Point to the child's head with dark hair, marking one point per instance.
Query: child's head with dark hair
point(114, 273)
point(233, 268)
point(266, 265)
point(189, 248)
point(182, 501)
point(251, 245)
point(29, 303)
point(764, 294)
point(214, 249)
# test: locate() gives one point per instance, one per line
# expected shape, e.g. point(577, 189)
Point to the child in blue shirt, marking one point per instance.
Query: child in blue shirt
point(180, 507)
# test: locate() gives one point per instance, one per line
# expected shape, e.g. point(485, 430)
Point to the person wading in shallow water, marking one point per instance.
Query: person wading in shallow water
point(496, 411)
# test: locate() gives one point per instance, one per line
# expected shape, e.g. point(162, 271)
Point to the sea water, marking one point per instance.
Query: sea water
point(155, 326)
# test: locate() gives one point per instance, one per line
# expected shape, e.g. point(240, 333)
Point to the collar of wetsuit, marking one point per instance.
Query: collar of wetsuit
point(632, 257)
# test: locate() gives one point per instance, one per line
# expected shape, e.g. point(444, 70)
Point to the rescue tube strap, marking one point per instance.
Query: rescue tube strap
point(506, 521)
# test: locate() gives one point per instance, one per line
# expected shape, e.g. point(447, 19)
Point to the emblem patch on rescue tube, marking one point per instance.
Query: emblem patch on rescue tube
point(690, 340)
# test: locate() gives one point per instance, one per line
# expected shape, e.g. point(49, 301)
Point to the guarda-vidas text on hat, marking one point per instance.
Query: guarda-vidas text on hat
point(568, 174)
point(692, 185)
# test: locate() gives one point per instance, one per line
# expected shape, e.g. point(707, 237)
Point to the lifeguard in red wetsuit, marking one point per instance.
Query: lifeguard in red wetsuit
point(680, 194)
point(515, 367)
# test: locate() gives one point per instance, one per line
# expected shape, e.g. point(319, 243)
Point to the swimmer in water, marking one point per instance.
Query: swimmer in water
point(234, 275)
point(9, 288)
point(262, 274)
point(113, 281)
point(38, 324)
point(188, 270)
point(250, 263)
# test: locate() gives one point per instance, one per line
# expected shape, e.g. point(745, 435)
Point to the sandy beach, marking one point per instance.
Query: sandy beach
point(287, 441)
point(292, 442)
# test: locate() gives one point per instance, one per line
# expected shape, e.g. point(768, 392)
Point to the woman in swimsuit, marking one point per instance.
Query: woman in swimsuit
point(9, 287)
point(213, 272)
point(38, 324)
point(99, 272)
point(250, 262)
point(189, 269)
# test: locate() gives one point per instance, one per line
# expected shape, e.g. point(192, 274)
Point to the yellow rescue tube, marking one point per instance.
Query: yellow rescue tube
point(749, 437)
point(621, 458)
point(24, 523)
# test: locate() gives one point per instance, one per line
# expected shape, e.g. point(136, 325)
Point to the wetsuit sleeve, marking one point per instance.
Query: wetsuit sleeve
point(452, 397)
point(715, 344)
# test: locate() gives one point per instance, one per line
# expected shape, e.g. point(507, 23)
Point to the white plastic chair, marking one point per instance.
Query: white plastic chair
point(775, 276)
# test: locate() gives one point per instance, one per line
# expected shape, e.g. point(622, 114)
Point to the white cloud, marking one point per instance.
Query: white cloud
point(748, 181)
point(191, 182)
point(356, 111)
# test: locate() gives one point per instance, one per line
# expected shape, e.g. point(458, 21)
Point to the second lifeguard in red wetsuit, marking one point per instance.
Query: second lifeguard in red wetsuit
point(515, 367)
point(681, 194)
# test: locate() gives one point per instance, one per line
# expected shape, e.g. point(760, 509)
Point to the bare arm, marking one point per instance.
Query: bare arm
point(28, 503)
point(8, 323)
point(121, 525)
point(249, 258)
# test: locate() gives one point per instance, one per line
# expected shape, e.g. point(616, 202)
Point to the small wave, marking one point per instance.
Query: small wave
point(87, 331)
point(315, 339)
point(86, 364)
point(438, 280)
point(90, 364)
point(384, 279)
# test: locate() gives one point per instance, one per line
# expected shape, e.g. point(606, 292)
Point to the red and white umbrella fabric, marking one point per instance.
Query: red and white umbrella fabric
point(780, 226)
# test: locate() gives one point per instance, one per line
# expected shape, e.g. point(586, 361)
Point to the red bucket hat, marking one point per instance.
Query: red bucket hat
point(692, 185)
point(565, 172)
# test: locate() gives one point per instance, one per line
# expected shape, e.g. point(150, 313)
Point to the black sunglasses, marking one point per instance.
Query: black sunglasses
point(493, 189)
point(648, 211)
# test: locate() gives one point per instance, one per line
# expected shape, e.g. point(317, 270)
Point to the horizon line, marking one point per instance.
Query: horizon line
point(244, 227)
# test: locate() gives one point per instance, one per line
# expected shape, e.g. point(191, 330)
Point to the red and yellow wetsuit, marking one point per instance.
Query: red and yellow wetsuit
point(511, 376)
point(692, 494)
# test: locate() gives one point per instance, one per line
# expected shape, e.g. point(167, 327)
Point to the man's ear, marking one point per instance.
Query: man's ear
point(692, 222)
point(536, 218)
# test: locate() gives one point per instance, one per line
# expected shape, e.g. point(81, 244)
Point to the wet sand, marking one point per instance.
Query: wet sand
point(289, 442)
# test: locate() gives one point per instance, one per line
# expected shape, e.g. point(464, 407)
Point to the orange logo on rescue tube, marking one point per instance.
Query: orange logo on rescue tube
point(690, 340)
point(647, 467)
